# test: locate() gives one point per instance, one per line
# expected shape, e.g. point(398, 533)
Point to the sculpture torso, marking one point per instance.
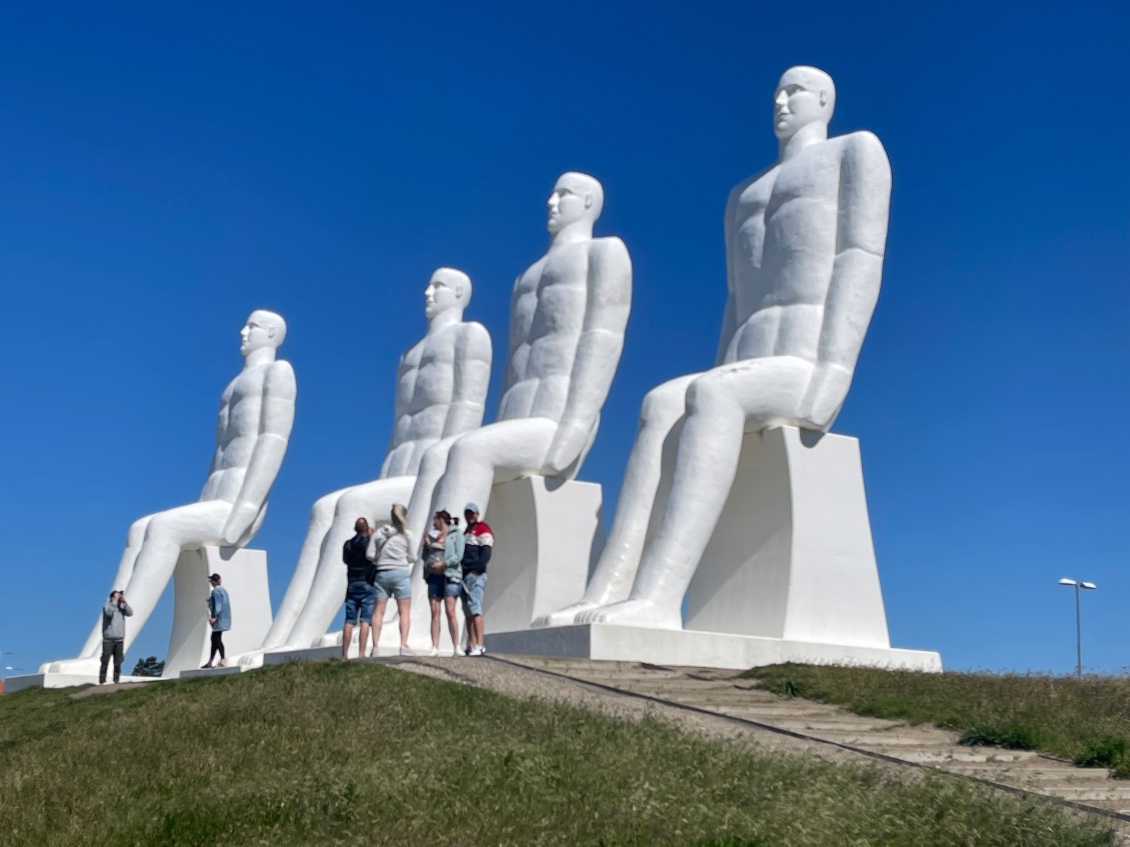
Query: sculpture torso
point(546, 320)
point(782, 228)
point(237, 430)
point(425, 389)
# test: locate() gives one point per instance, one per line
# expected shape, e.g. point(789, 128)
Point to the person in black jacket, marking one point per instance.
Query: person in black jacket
point(360, 599)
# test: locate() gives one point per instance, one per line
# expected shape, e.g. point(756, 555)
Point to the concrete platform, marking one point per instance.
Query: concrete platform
point(697, 649)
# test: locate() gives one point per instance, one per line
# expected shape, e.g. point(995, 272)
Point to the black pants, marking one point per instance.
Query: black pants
point(217, 645)
point(116, 649)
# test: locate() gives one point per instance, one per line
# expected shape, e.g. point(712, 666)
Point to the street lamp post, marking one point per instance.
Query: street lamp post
point(1078, 628)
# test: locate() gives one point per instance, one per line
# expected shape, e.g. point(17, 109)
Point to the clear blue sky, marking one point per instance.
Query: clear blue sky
point(166, 168)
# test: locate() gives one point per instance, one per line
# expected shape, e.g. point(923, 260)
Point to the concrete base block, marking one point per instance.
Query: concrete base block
point(690, 648)
point(547, 537)
point(244, 575)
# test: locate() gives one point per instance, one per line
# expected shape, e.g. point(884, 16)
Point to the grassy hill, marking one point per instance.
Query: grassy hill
point(357, 753)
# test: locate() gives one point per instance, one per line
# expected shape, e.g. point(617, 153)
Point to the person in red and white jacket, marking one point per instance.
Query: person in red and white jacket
point(476, 555)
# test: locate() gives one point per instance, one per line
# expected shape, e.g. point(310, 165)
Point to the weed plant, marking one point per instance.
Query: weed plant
point(1086, 720)
point(358, 754)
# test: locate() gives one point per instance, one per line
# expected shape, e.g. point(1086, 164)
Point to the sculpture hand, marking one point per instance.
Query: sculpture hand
point(567, 445)
point(242, 516)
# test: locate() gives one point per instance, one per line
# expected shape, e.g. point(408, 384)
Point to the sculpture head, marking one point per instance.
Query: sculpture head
point(576, 197)
point(263, 329)
point(447, 289)
point(804, 96)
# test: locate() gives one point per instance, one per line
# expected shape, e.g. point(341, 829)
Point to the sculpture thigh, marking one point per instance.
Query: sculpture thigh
point(722, 405)
point(166, 534)
point(373, 501)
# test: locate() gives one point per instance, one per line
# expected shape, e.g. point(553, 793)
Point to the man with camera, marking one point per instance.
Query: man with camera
point(114, 615)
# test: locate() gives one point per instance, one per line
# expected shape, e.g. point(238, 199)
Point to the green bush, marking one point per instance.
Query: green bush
point(1108, 752)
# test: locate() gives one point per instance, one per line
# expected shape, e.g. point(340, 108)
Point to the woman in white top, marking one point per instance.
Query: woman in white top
point(392, 551)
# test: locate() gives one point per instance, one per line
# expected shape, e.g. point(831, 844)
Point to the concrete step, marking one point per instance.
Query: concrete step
point(942, 755)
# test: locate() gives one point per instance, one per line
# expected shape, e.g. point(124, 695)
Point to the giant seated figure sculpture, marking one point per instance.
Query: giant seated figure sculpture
point(441, 388)
point(569, 310)
point(256, 415)
point(804, 248)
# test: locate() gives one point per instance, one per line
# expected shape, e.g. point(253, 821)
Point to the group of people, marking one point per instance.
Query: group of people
point(379, 565)
point(116, 610)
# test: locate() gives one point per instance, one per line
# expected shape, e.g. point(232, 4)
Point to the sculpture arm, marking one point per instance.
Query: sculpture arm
point(729, 316)
point(598, 350)
point(473, 354)
point(399, 409)
point(275, 422)
point(864, 203)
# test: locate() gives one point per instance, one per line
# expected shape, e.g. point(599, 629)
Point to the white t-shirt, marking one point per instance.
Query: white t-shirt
point(390, 549)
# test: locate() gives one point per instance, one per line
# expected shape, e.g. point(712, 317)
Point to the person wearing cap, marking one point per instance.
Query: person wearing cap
point(114, 614)
point(478, 545)
point(219, 615)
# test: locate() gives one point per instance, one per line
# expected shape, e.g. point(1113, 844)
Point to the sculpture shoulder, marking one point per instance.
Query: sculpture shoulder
point(864, 154)
point(610, 250)
point(280, 378)
point(474, 339)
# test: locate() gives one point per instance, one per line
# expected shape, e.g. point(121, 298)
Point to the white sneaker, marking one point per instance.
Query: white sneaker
point(458, 654)
point(435, 652)
point(476, 651)
point(404, 651)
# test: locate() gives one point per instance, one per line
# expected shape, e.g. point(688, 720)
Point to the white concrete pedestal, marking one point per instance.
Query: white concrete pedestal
point(547, 537)
point(244, 574)
point(789, 574)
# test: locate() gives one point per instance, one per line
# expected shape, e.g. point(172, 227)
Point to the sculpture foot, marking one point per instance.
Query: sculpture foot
point(633, 613)
point(330, 639)
point(252, 660)
point(83, 666)
point(565, 616)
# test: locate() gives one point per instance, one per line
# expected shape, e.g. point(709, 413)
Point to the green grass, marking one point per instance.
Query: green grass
point(359, 754)
point(1087, 720)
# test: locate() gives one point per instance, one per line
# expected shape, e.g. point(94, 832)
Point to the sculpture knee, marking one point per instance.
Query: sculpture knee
point(710, 395)
point(465, 453)
point(433, 463)
point(663, 406)
point(324, 507)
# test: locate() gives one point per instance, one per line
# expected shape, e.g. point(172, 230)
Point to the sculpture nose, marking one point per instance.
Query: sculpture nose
point(782, 98)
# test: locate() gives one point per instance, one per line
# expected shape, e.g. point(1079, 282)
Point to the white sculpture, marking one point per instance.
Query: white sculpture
point(804, 250)
point(256, 414)
point(568, 313)
point(441, 388)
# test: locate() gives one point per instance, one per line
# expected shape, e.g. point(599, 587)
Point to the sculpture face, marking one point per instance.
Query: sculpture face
point(261, 330)
point(571, 201)
point(804, 96)
point(447, 289)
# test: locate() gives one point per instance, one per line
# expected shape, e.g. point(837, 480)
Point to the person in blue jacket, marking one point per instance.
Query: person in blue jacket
point(219, 615)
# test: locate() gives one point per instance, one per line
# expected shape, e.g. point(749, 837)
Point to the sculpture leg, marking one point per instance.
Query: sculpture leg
point(321, 519)
point(134, 538)
point(167, 534)
point(420, 511)
point(475, 462)
point(373, 500)
point(615, 572)
point(721, 406)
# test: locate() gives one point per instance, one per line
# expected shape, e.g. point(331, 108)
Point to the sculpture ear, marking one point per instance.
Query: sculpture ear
point(588, 201)
point(823, 97)
point(271, 331)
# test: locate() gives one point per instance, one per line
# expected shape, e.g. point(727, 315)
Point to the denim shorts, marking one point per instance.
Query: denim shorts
point(394, 582)
point(473, 586)
point(438, 587)
point(359, 599)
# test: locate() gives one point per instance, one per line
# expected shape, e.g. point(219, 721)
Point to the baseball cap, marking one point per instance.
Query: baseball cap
point(471, 507)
